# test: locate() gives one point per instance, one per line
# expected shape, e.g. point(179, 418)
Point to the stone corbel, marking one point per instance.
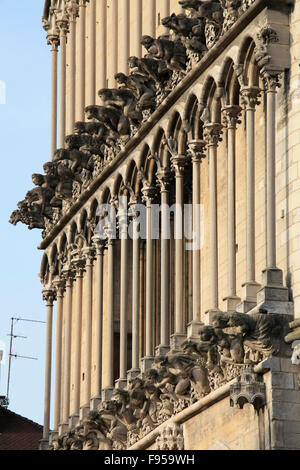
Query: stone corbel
point(248, 388)
point(266, 36)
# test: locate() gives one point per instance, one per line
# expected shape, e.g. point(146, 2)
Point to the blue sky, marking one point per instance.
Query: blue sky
point(25, 68)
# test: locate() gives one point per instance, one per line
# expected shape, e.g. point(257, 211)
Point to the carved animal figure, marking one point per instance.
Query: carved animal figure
point(190, 30)
point(125, 102)
point(172, 52)
point(211, 10)
point(141, 86)
point(153, 69)
point(108, 116)
point(180, 24)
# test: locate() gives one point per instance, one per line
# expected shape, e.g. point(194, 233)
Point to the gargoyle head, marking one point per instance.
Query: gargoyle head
point(206, 333)
point(91, 112)
point(147, 42)
point(190, 4)
point(133, 62)
point(15, 217)
point(105, 94)
point(121, 78)
point(37, 179)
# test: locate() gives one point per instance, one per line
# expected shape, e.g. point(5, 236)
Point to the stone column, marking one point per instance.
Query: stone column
point(273, 297)
point(135, 367)
point(49, 295)
point(60, 287)
point(196, 150)
point(69, 276)
point(114, 53)
point(271, 81)
point(72, 13)
point(136, 13)
point(92, 46)
point(78, 262)
point(100, 246)
point(149, 193)
point(123, 227)
point(53, 40)
point(164, 176)
point(124, 38)
point(108, 350)
point(80, 115)
point(63, 29)
point(179, 162)
point(250, 287)
point(89, 254)
point(212, 132)
point(152, 18)
point(231, 114)
point(102, 30)
point(165, 11)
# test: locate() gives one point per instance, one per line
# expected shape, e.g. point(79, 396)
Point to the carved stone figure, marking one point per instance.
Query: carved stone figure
point(153, 69)
point(210, 9)
point(108, 116)
point(172, 52)
point(190, 30)
point(143, 89)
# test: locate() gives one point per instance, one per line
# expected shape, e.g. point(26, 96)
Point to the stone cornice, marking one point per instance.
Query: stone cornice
point(255, 9)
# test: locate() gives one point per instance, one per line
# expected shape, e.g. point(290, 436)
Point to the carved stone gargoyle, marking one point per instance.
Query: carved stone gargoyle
point(191, 31)
point(172, 52)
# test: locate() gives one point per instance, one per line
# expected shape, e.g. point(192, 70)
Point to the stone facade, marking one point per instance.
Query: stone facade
point(206, 116)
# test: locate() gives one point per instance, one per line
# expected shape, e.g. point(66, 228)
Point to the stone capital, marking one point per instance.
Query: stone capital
point(149, 193)
point(78, 262)
point(196, 149)
point(271, 80)
point(179, 163)
point(231, 114)
point(72, 9)
point(63, 26)
point(49, 295)
point(212, 133)
point(89, 254)
point(59, 285)
point(250, 95)
point(164, 177)
point(99, 244)
point(68, 274)
point(53, 40)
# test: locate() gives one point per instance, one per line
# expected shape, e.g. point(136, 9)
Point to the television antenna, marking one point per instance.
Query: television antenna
point(5, 400)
